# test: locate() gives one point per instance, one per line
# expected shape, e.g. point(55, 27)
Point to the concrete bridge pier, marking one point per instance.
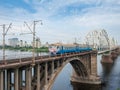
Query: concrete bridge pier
point(16, 79)
point(12, 79)
point(2, 80)
point(46, 75)
point(106, 58)
point(53, 67)
point(93, 75)
point(114, 55)
point(9, 79)
point(20, 80)
point(38, 77)
point(58, 64)
point(28, 77)
point(88, 74)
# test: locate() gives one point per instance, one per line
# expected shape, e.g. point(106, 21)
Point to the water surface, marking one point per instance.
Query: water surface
point(109, 74)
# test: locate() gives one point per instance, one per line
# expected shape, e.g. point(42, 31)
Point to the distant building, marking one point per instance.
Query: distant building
point(46, 44)
point(13, 42)
point(21, 43)
point(37, 43)
point(25, 44)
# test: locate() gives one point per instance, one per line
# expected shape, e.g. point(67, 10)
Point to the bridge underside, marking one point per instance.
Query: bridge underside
point(79, 68)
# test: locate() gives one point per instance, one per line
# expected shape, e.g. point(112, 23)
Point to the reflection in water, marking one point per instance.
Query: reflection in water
point(106, 67)
point(109, 74)
point(78, 86)
point(62, 81)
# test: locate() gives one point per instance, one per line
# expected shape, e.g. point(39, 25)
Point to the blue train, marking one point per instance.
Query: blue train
point(61, 49)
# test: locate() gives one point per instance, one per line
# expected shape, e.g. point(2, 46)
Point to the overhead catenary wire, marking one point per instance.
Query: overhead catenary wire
point(17, 27)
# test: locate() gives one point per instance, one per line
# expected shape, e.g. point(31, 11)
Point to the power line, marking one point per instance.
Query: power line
point(5, 30)
point(32, 30)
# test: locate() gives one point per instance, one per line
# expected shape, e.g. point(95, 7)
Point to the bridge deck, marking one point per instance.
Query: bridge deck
point(11, 63)
point(108, 50)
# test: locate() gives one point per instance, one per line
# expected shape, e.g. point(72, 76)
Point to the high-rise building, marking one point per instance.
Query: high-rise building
point(13, 42)
point(21, 43)
point(37, 43)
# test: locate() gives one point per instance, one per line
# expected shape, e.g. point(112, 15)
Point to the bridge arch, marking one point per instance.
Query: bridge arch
point(76, 64)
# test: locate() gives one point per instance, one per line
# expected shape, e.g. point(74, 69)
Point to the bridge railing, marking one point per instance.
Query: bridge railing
point(39, 58)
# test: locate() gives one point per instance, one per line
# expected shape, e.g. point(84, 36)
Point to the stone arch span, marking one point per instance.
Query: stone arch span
point(77, 65)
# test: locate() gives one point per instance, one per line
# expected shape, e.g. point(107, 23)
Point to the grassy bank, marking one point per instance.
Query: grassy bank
point(41, 49)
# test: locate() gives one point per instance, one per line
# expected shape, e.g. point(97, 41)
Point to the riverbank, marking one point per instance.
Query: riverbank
point(12, 54)
point(30, 49)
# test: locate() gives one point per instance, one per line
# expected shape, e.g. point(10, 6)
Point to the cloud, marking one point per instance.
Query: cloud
point(27, 1)
point(63, 20)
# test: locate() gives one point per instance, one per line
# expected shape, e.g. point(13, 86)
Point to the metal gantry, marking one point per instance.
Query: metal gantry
point(99, 39)
point(5, 30)
point(33, 32)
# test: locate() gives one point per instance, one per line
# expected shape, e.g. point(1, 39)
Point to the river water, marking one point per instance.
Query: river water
point(11, 54)
point(109, 74)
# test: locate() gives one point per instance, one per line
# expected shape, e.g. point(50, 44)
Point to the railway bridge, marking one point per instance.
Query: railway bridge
point(24, 74)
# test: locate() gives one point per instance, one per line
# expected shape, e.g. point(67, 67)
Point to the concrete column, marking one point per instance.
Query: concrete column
point(28, 78)
point(1, 80)
point(20, 79)
point(52, 67)
point(16, 79)
point(38, 77)
point(114, 55)
point(35, 71)
point(88, 63)
point(5, 79)
point(46, 73)
point(58, 64)
point(94, 64)
point(93, 77)
point(8, 79)
point(106, 58)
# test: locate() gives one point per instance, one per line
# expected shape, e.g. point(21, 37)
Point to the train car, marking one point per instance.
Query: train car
point(52, 50)
point(61, 49)
point(66, 49)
